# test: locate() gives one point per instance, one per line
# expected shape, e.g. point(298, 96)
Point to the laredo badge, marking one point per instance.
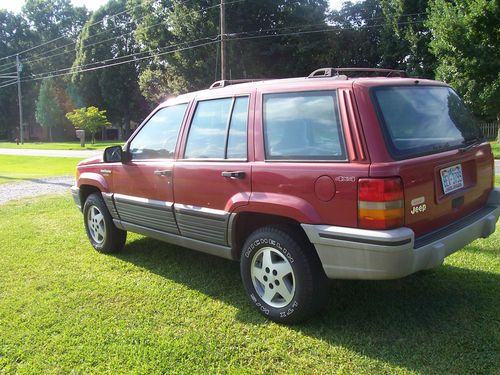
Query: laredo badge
point(418, 205)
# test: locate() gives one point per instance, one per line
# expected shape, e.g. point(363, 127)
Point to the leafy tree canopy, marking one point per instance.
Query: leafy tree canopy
point(90, 119)
point(48, 112)
point(254, 48)
point(106, 38)
point(466, 43)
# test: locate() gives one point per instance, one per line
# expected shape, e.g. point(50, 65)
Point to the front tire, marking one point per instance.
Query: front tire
point(282, 275)
point(104, 236)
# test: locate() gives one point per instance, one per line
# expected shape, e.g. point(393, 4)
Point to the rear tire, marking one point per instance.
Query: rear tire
point(104, 236)
point(282, 275)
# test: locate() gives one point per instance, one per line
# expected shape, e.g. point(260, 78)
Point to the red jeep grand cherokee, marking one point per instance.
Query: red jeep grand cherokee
point(300, 180)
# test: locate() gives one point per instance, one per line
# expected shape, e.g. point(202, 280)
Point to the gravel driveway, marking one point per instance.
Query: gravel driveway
point(32, 188)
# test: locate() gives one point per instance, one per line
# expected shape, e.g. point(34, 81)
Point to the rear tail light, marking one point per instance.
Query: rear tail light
point(380, 203)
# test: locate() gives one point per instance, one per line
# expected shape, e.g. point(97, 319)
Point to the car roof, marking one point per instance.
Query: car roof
point(295, 84)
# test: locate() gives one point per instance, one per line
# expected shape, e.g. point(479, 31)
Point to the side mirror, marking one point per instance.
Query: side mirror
point(113, 154)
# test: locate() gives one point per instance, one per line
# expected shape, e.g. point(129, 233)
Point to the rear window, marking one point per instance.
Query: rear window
point(420, 120)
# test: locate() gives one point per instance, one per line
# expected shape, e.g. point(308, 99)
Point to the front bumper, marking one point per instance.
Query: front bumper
point(351, 253)
point(75, 193)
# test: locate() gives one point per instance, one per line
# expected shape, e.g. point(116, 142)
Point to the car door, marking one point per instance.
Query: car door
point(143, 192)
point(213, 175)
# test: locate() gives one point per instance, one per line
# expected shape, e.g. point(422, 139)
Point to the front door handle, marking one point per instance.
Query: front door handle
point(166, 172)
point(229, 174)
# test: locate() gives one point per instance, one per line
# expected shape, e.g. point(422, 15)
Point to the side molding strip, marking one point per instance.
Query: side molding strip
point(108, 199)
point(205, 247)
point(150, 213)
point(201, 223)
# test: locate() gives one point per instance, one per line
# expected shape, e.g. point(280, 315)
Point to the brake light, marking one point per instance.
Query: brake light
point(380, 203)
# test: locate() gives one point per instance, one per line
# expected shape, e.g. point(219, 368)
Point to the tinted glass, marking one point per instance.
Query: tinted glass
point(207, 134)
point(303, 126)
point(158, 137)
point(423, 120)
point(237, 141)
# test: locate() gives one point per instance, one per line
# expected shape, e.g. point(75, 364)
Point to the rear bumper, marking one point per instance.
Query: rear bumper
point(75, 193)
point(351, 253)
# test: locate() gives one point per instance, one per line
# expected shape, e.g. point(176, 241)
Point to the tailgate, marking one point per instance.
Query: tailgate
point(436, 149)
point(442, 188)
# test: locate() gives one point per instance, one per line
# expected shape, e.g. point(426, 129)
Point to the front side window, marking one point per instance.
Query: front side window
point(219, 130)
point(419, 120)
point(158, 137)
point(303, 126)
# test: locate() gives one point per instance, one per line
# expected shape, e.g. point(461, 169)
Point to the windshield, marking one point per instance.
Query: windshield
point(419, 120)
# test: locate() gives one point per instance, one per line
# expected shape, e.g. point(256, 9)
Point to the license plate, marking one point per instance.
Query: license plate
point(452, 178)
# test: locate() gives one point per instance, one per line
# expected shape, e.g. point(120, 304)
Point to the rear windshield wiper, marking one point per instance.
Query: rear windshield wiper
point(467, 147)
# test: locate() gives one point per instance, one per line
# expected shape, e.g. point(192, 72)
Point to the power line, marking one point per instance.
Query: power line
point(122, 62)
point(62, 36)
point(57, 73)
point(11, 66)
point(43, 54)
point(122, 35)
point(310, 31)
point(331, 27)
point(116, 37)
point(13, 82)
point(213, 39)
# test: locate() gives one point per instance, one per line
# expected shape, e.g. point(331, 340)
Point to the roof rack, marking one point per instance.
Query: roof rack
point(332, 72)
point(227, 82)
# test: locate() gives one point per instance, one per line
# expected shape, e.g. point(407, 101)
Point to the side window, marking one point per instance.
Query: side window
point(158, 137)
point(303, 126)
point(237, 139)
point(218, 130)
point(207, 133)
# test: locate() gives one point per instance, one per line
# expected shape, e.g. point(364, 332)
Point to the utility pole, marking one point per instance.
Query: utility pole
point(14, 78)
point(222, 40)
point(19, 97)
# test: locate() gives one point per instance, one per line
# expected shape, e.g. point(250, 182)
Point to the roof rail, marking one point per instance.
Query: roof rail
point(227, 82)
point(332, 72)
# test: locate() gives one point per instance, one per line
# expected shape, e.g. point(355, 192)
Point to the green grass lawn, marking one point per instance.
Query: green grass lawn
point(60, 145)
point(495, 148)
point(156, 308)
point(17, 168)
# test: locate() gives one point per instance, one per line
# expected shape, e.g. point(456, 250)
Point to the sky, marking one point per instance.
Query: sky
point(15, 5)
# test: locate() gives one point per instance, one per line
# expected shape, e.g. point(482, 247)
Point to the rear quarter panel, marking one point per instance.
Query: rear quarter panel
point(300, 190)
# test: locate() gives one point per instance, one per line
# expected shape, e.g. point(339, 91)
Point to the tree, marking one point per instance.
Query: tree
point(186, 33)
point(466, 42)
point(405, 37)
point(115, 88)
point(56, 20)
point(356, 41)
point(40, 21)
point(89, 119)
point(48, 112)
point(15, 35)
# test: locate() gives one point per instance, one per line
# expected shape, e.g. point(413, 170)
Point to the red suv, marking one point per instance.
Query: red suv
point(300, 180)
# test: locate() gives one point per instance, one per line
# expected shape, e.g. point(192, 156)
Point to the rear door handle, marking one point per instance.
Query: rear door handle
point(229, 174)
point(166, 172)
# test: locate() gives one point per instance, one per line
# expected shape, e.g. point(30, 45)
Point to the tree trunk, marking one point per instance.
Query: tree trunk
point(126, 123)
point(93, 137)
point(50, 134)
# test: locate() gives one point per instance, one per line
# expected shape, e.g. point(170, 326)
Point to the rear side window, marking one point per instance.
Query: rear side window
point(237, 137)
point(420, 120)
point(219, 130)
point(303, 126)
point(157, 138)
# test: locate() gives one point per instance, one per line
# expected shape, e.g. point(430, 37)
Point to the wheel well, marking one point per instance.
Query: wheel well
point(246, 223)
point(85, 191)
